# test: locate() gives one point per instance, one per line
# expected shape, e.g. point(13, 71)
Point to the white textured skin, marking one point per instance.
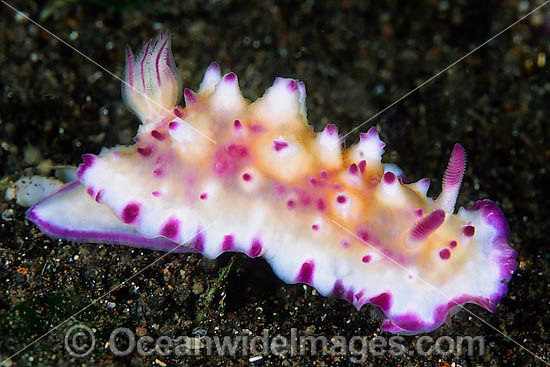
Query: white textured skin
point(169, 183)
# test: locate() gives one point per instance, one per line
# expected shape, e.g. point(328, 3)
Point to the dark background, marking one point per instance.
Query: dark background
point(356, 57)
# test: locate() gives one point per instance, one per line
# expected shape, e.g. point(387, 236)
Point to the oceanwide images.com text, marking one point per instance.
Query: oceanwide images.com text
point(80, 342)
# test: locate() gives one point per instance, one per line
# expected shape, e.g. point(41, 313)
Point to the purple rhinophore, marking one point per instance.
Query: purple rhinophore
point(428, 225)
point(305, 275)
point(455, 169)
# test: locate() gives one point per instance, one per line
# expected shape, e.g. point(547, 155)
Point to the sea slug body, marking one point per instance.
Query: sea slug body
point(224, 174)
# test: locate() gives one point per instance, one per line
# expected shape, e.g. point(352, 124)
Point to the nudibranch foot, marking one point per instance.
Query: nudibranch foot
point(226, 174)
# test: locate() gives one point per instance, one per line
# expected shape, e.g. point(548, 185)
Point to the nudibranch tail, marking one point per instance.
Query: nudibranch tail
point(337, 219)
point(152, 84)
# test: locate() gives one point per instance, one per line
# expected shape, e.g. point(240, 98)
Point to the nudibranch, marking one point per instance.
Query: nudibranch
point(226, 174)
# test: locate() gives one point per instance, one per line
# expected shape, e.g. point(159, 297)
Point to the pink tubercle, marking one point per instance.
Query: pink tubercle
point(469, 231)
point(247, 177)
point(255, 248)
point(305, 275)
point(190, 98)
point(228, 243)
point(237, 125)
point(345, 243)
point(366, 259)
point(130, 212)
point(331, 130)
point(324, 174)
point(291, 204)
point(178, 113)
point(256, 128)
point(445, 254)
point(230, 77)
point(313, 181)
point(171, 229)
point(315, 227)
point(279, 145)
point(453, 244)
point(362, 166)
point(389, 178)
point(353, 169)
point(99, 195)
point(320, 204)
point(419, 212)
point(203, 196)
point(90, 191)
point(292, 86)
point(237, 151)
point(156, 193)
point(158, 135)
point(173, 125)
point(341, 199)
point(144, 151)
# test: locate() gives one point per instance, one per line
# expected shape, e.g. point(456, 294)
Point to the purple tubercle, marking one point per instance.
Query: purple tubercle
point(203, 196)
point(99, 195)
point(237, 151)
point(331, 130)
point(419, 212)
point(144, 151)
point(171, 229)
point(228, 243)
point(428, 225)
point(324, 174)
point(173, 125)
point(383, 301)
point(156, 194)
point(455, 169)
point(190, 97)
point(341, 199)
point(320, 205)
point(453, 244)
point(230, 77)
point(366, 259)
point(469, 231)
point(315, 227)
point(389, 178)
point(158, 135)
point(88, 160)
point(178, 113)
point(237, 125)
point(445, 254)
point(279, 145)
point(362, 166)
point(255, 248)
point(130, 212)
point(291, 204)
point(353, 169)
point(305, 275)
point(198, 242)
point(292, 86)
point(338, 289)
point(247, 177)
